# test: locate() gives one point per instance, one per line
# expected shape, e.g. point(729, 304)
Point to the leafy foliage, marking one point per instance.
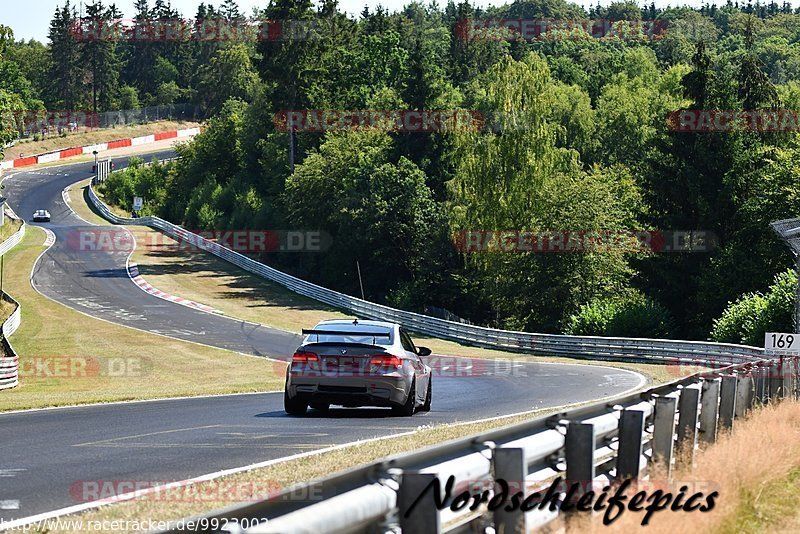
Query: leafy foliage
point(628, 315)
point(751, 315)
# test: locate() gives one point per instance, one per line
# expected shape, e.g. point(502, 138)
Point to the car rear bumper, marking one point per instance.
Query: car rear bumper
point(351, 391)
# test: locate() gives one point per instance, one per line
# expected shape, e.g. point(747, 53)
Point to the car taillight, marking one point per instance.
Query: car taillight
point(386, 360)
point(304, 357)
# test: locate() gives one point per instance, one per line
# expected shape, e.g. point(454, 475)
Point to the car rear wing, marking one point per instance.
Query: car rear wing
point(373, 335)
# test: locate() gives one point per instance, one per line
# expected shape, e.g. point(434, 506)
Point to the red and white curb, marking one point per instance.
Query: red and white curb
point(77, 151)
point(133, 272)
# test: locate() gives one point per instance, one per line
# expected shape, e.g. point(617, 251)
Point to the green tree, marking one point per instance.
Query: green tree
point(229, 74)
point(34, 62)
point(377, 212)
point(139, 54)
point(208, 164)
point(519, 179)
point(99, 56)
point(755, 88)
point(65, 91)
point(128, 97)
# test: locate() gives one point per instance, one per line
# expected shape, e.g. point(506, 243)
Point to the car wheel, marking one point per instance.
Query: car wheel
point(321, 406)
point(410, 406)
point(427, 406)
point(295, 406)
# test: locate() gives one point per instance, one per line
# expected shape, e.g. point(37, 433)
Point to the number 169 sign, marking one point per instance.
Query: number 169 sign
point(781, 343)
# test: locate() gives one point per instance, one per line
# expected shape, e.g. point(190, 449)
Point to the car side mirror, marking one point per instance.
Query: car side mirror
point(423, 351)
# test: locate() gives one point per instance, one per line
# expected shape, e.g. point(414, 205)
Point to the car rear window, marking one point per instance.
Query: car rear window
point(382, 336)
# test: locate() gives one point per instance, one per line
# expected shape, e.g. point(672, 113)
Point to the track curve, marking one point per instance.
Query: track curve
point(48, 451)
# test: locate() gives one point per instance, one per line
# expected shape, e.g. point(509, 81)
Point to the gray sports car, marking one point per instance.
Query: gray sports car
point(41, 216)
point(358, 363)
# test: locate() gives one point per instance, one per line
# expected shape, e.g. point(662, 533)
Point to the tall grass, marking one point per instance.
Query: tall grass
point(755, 468)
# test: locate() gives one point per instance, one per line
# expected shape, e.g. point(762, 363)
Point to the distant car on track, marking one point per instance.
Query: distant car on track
point(41, 216)
point(358, 363)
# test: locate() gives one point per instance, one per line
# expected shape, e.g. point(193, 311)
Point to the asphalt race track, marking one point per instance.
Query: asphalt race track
point(47, 454)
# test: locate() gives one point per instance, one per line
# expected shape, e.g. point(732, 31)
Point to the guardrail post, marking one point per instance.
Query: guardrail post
point(765, 373)
point(709, 407)
point(774, 381)
point(510, 465)
point(687, 421)
point(579, 454)
point(786, 377)
point(664, 431)
point(796, 371)
point(424, 517)
point(744, 395)
point(760, 397)
point(727, 402)
point(631, 428)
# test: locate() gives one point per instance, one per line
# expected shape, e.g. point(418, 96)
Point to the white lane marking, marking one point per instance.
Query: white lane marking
point(9, 505)
point(176, 332)
point(69, 202)
point(106, 307)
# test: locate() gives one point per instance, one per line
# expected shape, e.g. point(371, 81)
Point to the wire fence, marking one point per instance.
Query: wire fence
point(44, 124)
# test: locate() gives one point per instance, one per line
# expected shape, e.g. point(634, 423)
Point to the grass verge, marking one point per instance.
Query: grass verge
point(9, 228)
point(69, 358)
point(756, 470)
point(30, 148)
point(6, 309)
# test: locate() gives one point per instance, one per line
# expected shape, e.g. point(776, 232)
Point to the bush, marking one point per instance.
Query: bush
point(747, 319)
point(630, 315)
point(149, 182)
point(592, 319)
point(646, 318)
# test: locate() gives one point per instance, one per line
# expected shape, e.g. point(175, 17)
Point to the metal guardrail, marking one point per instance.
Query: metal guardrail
point(601, 348)
point(9, 361)
point(594, 446)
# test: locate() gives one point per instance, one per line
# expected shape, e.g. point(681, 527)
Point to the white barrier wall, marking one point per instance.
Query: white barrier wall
point(9, 363)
